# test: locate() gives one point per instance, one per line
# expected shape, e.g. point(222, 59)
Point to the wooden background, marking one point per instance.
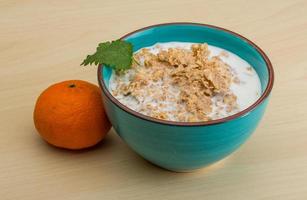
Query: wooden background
point(43, 42)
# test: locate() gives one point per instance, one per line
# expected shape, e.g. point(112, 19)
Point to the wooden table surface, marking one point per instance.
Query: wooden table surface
point(43, 42)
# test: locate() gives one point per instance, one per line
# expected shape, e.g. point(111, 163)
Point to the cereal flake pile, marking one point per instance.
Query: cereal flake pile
point(184, 85)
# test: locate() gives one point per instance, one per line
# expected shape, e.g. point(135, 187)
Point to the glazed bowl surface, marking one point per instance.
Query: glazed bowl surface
point(188, 146)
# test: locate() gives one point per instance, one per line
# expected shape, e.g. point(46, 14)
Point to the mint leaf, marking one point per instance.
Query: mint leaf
point(116, 54)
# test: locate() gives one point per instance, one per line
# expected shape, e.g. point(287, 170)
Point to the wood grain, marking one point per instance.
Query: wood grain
point(42, 42)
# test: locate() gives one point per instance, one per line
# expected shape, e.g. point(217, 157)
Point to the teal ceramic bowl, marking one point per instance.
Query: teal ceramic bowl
point(188, 146)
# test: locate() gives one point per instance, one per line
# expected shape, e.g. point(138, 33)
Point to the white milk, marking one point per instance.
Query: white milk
point(247, 91)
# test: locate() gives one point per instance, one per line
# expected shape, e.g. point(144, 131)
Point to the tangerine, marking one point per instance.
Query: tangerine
point(70, 114)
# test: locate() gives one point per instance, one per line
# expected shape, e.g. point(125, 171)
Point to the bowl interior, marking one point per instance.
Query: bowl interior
point(199, 34)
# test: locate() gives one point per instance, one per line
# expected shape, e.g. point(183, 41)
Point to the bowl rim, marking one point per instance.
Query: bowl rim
point(240, 114)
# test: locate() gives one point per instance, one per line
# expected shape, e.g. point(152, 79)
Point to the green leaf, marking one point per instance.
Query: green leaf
point(116, 54)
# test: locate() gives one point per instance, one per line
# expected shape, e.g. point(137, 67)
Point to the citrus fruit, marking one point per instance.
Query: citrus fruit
point(70, 114)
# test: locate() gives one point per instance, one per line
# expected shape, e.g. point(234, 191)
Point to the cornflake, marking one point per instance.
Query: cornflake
point(181, 84)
